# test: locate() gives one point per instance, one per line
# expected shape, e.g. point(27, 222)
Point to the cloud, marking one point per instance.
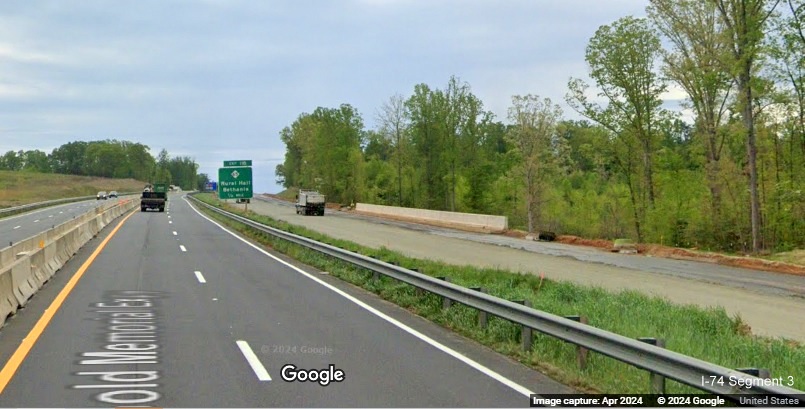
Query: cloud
point(218, 80)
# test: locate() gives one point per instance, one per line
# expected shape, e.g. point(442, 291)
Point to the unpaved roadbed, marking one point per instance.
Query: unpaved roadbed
point(772, 304)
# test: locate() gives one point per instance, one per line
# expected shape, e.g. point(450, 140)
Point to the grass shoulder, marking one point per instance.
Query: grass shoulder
point(23, 187)
point(707, 334)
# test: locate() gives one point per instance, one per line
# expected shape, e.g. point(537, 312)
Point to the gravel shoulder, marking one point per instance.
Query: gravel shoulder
point(772, 304)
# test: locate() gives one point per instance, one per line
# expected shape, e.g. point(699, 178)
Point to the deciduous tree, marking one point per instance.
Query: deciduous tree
point(745, 26)
point(534, 128)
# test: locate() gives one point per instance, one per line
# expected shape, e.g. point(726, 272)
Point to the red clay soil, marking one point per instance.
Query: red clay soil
point(654, 250)
point(735, 261)
point(518, 234)
point(579, 241)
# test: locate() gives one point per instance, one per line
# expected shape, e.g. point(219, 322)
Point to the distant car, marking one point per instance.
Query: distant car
point(101, 195)
point(113, 194)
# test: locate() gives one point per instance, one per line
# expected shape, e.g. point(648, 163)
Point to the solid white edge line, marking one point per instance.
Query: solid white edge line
point(254, 361)
point(183, 248)
point(455, 354)
point(200, 277)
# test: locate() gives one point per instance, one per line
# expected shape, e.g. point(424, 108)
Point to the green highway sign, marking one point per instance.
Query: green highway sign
point(231, 163)
point(235, 183)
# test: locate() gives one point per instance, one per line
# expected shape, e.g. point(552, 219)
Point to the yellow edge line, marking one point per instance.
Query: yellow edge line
point(25, 347)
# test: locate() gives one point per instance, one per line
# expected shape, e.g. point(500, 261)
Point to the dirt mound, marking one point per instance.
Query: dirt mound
point(656, 250)
point(579, 241)
point(518, 234)
point(735, 261)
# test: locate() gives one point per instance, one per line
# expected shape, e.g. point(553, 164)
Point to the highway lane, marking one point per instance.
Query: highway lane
point(21, 226)
point(768, 302)
point(202, 299)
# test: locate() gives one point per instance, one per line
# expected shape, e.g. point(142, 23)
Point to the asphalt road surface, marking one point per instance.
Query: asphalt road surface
point(22, 226)
point(170, 310)
point(772, 304)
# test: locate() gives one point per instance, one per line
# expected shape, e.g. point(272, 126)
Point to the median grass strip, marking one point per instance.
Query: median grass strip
point(22, 187)
point(708, 334)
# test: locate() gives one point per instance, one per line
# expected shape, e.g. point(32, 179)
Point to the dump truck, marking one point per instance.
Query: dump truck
point(154, 197)
point(310, 202)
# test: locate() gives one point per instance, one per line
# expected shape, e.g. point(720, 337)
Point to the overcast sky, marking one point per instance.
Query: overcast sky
point(218, 80)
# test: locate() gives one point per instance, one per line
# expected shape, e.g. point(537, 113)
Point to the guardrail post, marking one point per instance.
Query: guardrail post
point(581, 352)
point(418, 291)
point(657, 381)
point(375, 274)
point(761, 373)
point(446, 302)
point(526, 333)
point(483, 316)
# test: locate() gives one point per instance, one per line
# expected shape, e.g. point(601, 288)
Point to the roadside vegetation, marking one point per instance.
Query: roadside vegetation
point(111, 159)
point(726, 176)
point(793, 257)
point(19, 188)
point(707, 334)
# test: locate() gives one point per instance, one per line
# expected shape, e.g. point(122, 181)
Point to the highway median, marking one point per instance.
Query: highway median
point(26, 266)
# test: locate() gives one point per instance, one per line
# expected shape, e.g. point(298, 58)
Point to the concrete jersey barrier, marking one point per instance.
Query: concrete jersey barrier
point(26, 266)
point(465, 221)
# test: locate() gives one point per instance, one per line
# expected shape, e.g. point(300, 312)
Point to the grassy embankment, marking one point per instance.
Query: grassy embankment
point(793, 257)
point(707, 334)
point(19, 188)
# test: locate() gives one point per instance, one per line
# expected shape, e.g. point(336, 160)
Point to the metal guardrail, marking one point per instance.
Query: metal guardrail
point(682, 368)
point(32, 206)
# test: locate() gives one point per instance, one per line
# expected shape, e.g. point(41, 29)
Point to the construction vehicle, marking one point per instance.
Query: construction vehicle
point(310, 202)
point(154, 197)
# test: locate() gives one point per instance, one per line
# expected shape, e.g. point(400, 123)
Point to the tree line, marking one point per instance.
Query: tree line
point(730, 179)
point(109, 159)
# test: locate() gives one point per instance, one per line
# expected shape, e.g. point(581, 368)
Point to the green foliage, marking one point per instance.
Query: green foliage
point(324, 152)
point(633, 169)
point(707, 334)
point(622, 60)
point(533, 138)
point(109, 159)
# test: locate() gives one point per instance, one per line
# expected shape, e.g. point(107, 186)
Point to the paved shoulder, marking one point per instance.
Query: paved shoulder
point(176, 311)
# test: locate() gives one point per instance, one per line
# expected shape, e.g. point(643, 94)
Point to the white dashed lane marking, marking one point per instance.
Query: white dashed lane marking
point(254, 362)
